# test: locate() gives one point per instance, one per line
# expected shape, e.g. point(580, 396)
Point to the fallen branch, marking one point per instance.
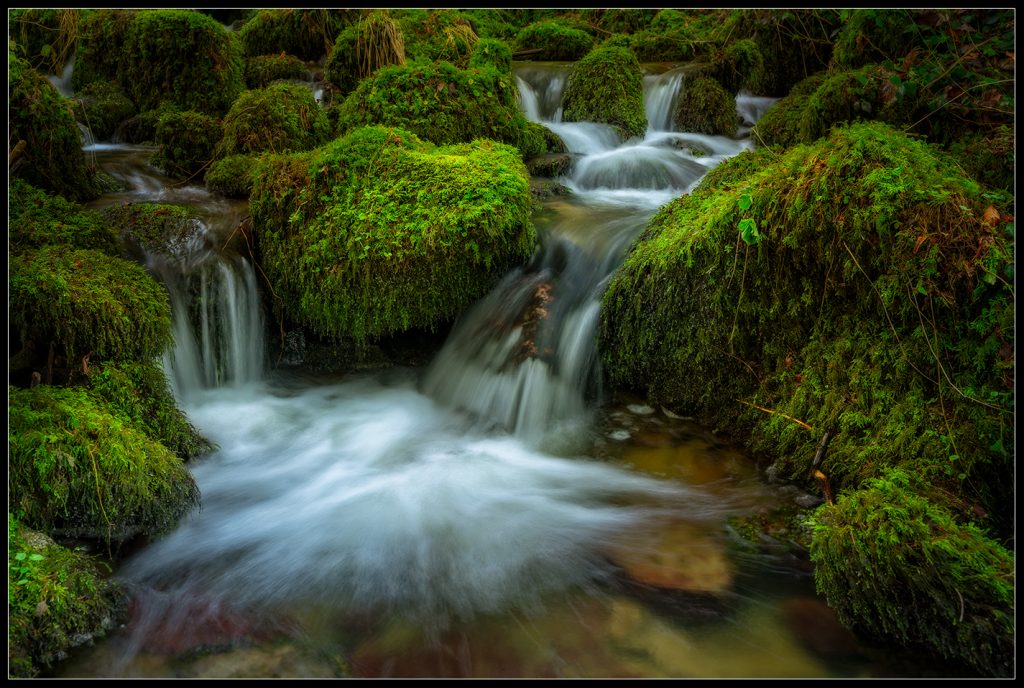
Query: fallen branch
point(776, 413)
point(822, 447)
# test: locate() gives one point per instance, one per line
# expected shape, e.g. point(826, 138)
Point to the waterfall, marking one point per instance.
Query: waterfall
point(660, 92)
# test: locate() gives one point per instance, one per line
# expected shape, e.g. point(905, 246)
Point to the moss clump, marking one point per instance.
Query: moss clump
point(153, 228)
point(872, 36)
point(102, 105)
point(77, 468)
point(553, 40)
point(673, 36)
point(363, 48)
point(741, 67)
point(57, 599)
point(280, 118)
point(899, 539)
point(379, 232)
point(140, 392)
point(231, 176)
point(51, 157)
point(540, 140)
point(83, 302)
point(780, 125)
point(184, 57)
point(491, 53)
point(99, 55)
point(848, 96)
point(619, 20)
point(142, 127)
point(41, 219)
point(607, 86)
point(262, 70)
point(433, 35)
point(305, 33)
point(187, 142)
point(988, 156)
point(859, 286)
point(438, 102)
point(703, 106)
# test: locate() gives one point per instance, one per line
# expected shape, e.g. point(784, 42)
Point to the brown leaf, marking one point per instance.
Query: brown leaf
point(991, 216)
point(41, 608)
point(917, 244)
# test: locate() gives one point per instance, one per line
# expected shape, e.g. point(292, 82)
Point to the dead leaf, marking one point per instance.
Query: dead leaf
point(991, 217)
point(41, 608)
point(917, 244)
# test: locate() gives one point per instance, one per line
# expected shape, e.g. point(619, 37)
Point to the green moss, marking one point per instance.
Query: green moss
point(619, 20)
point(988, 156)
point(492, 23)
point(438, 102)
point(433, 35)
point(86, 302)
point(853, 95)
point(540, 140)
point(78, 468)
point(379, 232)
point(780, 125)
point(363, 48)
point(140, 392)
point(232, 176)
point(51, 157)
point(919, 576)
point(102, 105)
point(741, 67)
point(607, 86)
point(99, 54)
point(491, 53)
point(153, 228)
point(305, 33)
point(142, 127)
point(872, 36)
point(280, 118)
point(553, 40)
point(187, 142)
point(41, 219)
point(703, 106)
point(47, 35)
point(57, 599)
point(184, 57)
point(262, 70)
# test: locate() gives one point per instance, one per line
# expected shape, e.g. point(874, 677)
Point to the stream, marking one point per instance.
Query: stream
point(497, 513)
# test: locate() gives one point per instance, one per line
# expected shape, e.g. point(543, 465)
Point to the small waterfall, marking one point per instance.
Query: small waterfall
point(660, 92)
point(62, 82)
point(750, 108)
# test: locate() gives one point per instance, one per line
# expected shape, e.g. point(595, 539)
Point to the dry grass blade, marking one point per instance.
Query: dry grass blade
point(380, 43)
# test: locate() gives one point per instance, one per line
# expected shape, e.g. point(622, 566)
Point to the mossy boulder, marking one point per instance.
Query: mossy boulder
point(51, 156)
point(231, 176)
point(900, 539)
point(438, 102)
point(672, 36)
point(855, 290)
point(101, 106)
point(79, 469)
point(153, 228)
point(280, 118)
point(183, 57)
point(85, 302)
point(491, 53)
point(263, 70)
point(140, 392)
point(622, 20)
point(187, 143)
point(704, 107)
point(99, 53)
point(553, 40)
point(58, 599)
point(607, 86)
point(305, 33)
point(41, 219)
point(741, 67)
point(380, 232)
point(142, 127)
point(988, 156)
point(440, 34)
point(364, 47)
point(779, 126)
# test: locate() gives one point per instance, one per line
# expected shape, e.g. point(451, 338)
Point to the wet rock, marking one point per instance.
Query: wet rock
point(294, 350)
point(619, 435)
point(816, 625)
point(640, 409)
point(543, 189)
point(678, 556)
point(550, 165)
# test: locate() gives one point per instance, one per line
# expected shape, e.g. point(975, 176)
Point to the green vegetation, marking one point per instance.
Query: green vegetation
point(152, 228)
point(305, 33)
point(859, 286)
point(780, 125)
point(607, 86)
point(57, 599)
point(741, 67)
point(187, 142)
point(491, 53)
point(705, 107)
point(97, 55)
point(51, 156)
point(280, 118)
point(78, 468)
point(232, 176)
point(435, 35)
point(263, 70)
point(899, 538)
point(553, 40)
point(47, 35)
point(102, 105)
point(41, 219)
point(363, 48)
point(379, 232)
point(84, 302)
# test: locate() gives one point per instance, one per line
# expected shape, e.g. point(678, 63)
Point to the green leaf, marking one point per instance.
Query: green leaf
point(745, 202)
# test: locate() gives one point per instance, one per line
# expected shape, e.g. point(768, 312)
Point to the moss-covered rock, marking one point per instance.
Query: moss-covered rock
point(848, 96)
point(58, 599)
point(363, 48)
point(491, 53)
point(871, 36)
point(262, 70)
point(379, 232)
point(553, 40)
point(187, 142)
point(280, 118)
point(41, 219)
point(51, 156)
point(305, 33)
point(703, 106)
point(102, 105)
point(857, 288)
point(921, 576)
point(181, 56)
point(540, 140)
point(988, 156)
point(142, 127)
point(779, 126)
point(673, 36)
point(607, 86)
point(433, 35)
point(438, 102)
point(85, 302)
point(78, 468)
point(231, 176)
point(140, 392)
point(99, 54)
point(741, 67)
point(153, 228)
point(621, 20)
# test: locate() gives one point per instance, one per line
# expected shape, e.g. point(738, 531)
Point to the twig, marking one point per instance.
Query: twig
point(776, 413)
point(822, 448)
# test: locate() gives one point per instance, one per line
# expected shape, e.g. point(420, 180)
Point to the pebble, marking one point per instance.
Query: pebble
point(640, 409)
point(619, 435)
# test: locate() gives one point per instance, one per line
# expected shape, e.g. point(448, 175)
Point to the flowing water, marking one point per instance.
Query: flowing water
point(492, 515)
